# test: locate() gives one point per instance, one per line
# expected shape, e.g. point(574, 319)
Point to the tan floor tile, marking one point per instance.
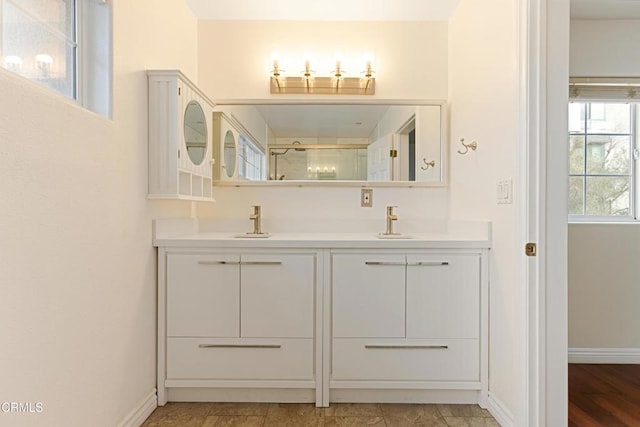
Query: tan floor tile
point(353, 410)
point(354, 421)
point(259, 409)
point(408, 410)
point(293, 421)
point(176, 420)
point(191, 408)
point(295, 410)
point(463, 411)
point(234, 421)
point(471, 422)
point(430, 420)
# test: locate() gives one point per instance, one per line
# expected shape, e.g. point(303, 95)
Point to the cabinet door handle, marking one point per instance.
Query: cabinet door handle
point(203, 262)
point(239, 345)
point(385, 263)
point(412, 347)
point(261, 263)
point(429, 263)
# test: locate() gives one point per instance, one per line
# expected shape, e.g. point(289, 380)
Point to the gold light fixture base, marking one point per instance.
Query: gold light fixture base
point(323, 85)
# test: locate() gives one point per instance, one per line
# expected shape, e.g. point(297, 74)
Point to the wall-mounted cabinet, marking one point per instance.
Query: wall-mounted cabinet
point(225, 142)
point(180, 130)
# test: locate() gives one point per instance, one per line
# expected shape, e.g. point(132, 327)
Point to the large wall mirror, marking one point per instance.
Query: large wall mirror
point(373, 143)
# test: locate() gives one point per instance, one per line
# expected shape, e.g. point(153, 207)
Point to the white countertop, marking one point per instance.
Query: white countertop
point(188, 233)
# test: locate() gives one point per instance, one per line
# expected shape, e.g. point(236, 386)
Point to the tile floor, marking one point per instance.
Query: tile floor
point(303, 415)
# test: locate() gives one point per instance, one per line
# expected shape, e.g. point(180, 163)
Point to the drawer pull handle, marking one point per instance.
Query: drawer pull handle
point(413, 347)
point(239, 345)
point(385, 263)
point(218, 262)
point(429, 263)
point(261, 263)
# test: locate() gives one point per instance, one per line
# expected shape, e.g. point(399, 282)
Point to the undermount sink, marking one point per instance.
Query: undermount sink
point(393, 236)
point(252, 236)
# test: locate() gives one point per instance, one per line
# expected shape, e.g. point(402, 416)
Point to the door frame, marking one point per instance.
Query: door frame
point(544, 78)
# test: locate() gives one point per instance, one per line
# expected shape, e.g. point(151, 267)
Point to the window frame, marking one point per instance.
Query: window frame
point(93, 57)
point(245, 145)
point(634, 140)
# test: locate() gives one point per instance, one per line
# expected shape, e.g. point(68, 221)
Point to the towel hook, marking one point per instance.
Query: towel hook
point(427, 165)
point(473, 145)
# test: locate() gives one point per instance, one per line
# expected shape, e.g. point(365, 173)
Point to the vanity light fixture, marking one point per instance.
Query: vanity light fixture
point(43, 62)
point(13, 63)
point(338, 83)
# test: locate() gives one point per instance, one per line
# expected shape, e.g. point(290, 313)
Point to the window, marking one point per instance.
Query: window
point(602, 153)
point(64, 45)
point(39, 42)
point(251, 161)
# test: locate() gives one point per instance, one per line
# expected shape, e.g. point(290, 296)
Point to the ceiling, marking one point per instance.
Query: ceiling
point(378, 10)
point(347, 121)
point(324, 10)
point(605, 9)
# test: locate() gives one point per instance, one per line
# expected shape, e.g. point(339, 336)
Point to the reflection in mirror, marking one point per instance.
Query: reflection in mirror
point(370, 142)
point(318, 162)
point(229, 153)
point(195, 132)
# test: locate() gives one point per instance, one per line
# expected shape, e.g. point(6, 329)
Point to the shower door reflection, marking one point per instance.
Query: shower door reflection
point(317, 162)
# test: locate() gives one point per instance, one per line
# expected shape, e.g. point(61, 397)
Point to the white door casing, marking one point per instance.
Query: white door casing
point(544, 76)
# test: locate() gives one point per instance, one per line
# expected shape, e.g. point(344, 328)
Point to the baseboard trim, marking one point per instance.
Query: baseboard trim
point(499, 411)
point(141, 412)
point(604, 355)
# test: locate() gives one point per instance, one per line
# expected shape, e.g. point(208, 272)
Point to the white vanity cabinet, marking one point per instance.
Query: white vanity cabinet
point(407, 320)
point(180, 138)
point(302, 317)
point(237, 320)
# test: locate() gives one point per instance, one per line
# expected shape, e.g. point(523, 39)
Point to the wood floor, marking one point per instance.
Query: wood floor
point(604, 395)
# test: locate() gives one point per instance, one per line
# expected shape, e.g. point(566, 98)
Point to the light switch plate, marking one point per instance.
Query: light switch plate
point(366, 197)
point(504, 192)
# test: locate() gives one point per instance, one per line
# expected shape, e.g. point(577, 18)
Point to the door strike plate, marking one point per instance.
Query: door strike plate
point(530, 249)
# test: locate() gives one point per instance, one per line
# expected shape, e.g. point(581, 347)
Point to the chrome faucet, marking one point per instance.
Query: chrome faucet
point(390, 218)
point(256, 218)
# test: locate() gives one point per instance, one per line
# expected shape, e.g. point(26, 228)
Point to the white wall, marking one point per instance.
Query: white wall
point(603, 275)
point(604, 48)
point(78, 269)
point(411, 63)
point(410, 58)
point(484, 107)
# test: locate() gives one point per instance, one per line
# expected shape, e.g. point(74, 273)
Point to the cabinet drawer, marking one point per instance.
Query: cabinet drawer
point(406, 360)
point(245, 359)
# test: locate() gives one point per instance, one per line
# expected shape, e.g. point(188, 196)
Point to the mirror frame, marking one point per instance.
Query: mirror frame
point(444, 143)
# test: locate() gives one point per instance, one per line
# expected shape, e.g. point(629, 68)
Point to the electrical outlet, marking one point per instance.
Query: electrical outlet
point(366, 197)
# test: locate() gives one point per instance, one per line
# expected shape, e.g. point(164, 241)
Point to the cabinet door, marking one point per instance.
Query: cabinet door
point(368, 296)
point(277, 294)
point(203, 295)
point(443, 296)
